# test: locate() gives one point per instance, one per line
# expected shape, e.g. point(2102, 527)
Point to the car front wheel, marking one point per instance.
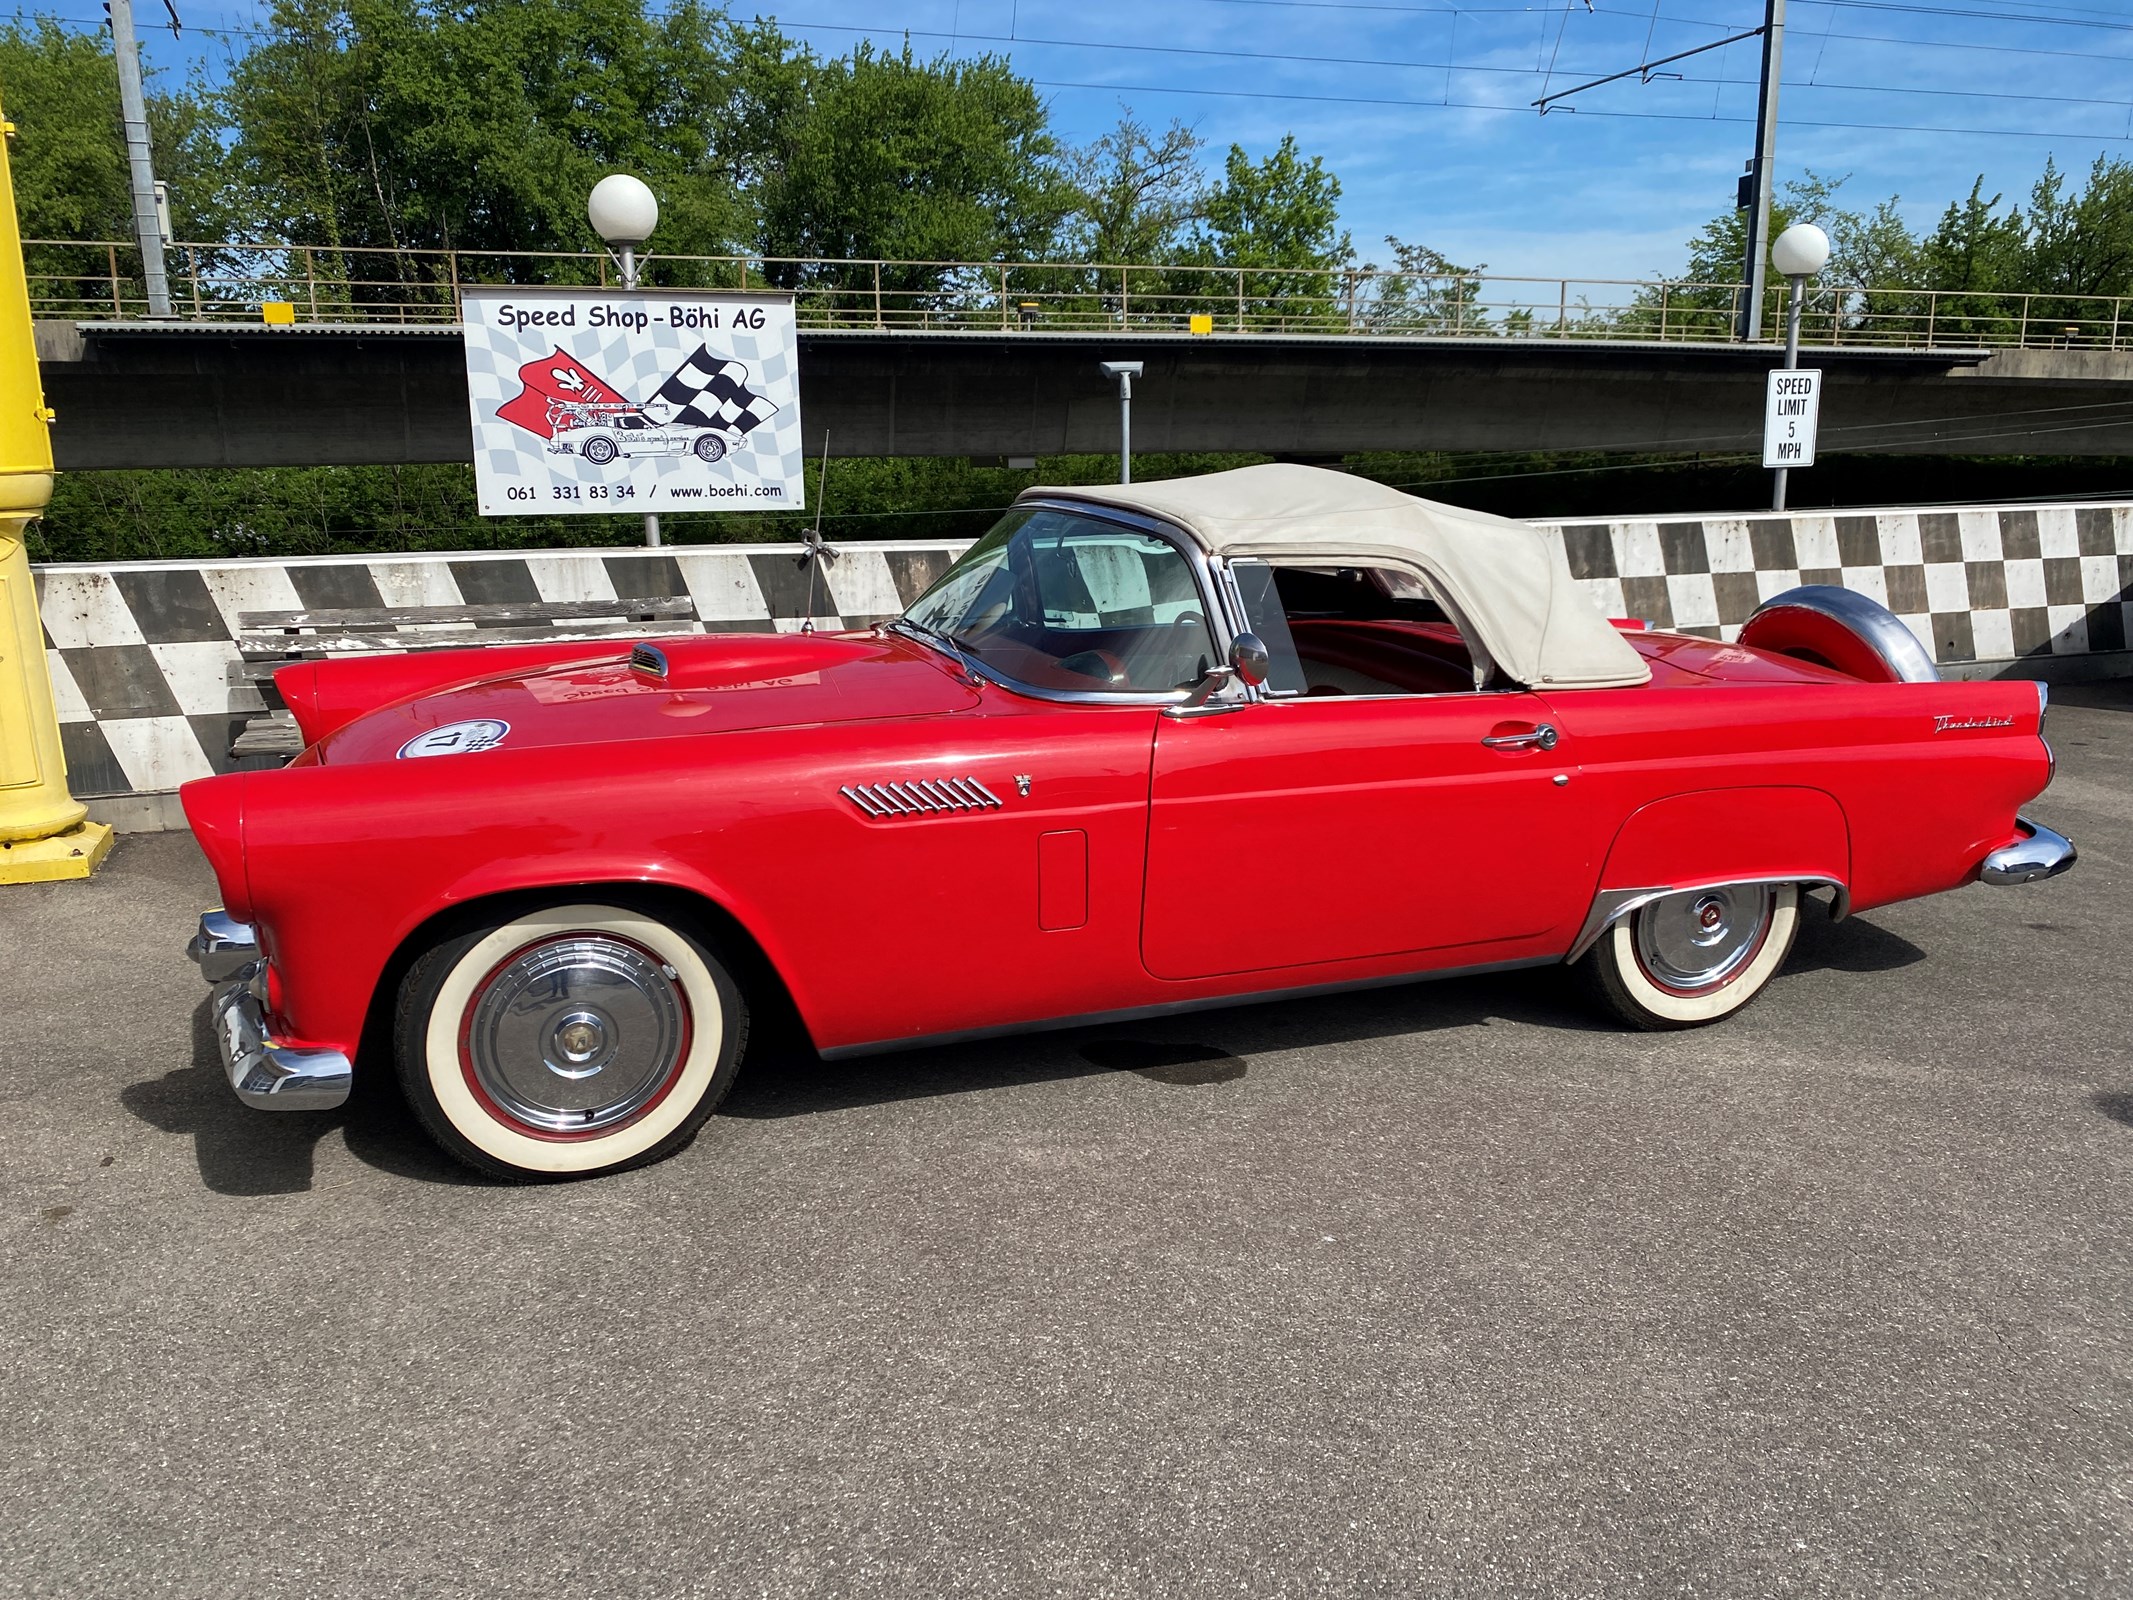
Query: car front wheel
point(710, 448)
point(1688, 959)
point(568, 1041)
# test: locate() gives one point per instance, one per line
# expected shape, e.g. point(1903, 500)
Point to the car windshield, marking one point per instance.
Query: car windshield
point(1057, 600)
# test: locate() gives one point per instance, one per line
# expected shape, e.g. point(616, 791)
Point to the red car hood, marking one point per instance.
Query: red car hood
point(713, 684)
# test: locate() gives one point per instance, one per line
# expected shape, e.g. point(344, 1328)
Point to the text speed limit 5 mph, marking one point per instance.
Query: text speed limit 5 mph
point(1792, 408)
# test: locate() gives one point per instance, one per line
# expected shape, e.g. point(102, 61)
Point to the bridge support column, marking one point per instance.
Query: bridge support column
point(44, 831)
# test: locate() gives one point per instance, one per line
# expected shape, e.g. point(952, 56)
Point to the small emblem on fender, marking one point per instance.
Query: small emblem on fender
point(457, 738)
point(1022, 783)
point(1952, 724)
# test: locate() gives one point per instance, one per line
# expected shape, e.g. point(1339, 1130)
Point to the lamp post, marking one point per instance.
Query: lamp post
point(1124, 372)
point(623, 212)
point(1800, 252)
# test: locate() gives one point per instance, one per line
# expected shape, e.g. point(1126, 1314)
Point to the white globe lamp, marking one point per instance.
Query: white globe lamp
point(623, 210)
point(1801, 251)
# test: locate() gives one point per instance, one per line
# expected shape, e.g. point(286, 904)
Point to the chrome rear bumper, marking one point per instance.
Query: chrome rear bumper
point(265, 1073)
point(2044, 854)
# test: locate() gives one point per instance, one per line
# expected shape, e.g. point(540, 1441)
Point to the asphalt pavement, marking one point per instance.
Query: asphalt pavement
point(1445, 1290)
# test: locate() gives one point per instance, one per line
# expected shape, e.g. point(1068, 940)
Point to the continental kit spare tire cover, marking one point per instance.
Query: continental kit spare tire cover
point(1839, 628)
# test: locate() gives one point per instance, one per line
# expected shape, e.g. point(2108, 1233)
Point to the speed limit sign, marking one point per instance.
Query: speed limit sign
point(1792, 406)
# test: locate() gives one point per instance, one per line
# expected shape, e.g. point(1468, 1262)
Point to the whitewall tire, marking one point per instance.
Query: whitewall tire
point(567, 1041)
point(1693, 958)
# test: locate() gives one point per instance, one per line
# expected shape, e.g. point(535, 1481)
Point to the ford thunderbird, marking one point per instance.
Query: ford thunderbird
point(545, 886)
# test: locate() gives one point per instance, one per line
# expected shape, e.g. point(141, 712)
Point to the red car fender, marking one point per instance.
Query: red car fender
point(1731, 836)
point(604, 875)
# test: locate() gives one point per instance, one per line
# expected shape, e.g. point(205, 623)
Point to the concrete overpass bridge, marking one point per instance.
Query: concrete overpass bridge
point(994, 360)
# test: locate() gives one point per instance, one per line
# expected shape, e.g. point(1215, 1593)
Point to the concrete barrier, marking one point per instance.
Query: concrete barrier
point(141, 651)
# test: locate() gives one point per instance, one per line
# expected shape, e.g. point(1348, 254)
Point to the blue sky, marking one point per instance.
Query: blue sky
point(1421, 106)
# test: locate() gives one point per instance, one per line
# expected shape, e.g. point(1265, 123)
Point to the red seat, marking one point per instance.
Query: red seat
point(1413, 657)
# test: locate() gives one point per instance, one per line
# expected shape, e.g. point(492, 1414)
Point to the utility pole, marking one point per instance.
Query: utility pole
point(1766, 134)
point(133, 113)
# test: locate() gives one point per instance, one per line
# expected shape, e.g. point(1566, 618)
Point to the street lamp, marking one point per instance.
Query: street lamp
point(1800, 252)
point(623, 212)
point(1124, 372)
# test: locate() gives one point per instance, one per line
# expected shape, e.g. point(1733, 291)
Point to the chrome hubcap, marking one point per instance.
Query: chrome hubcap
point(577, 1034)
point(1700, 939)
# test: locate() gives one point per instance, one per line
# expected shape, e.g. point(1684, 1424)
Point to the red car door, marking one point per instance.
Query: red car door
point(1329, 828)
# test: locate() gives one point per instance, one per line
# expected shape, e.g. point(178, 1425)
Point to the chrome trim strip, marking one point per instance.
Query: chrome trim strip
point(1873, 622)
point(1173, 1008)
point(223, 947)
point(2044, 854)
point(990, 798)
point(1610, 906)
point(266, 1074)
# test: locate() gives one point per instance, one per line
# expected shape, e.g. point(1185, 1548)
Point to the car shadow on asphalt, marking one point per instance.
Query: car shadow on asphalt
point(241, 1151)
point(1192, 1050)
point(1203, 1049)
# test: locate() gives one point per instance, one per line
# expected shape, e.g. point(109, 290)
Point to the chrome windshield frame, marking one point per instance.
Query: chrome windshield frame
point(1215, 598)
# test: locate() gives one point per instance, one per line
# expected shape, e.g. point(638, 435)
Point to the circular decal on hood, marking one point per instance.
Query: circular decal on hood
point(457, 738)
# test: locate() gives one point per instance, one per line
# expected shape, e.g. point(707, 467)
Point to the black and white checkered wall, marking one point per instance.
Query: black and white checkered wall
point(1992, 584)
point(141, 652)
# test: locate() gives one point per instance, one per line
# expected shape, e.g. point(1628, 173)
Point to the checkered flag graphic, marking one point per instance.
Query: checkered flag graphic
point(707, 392)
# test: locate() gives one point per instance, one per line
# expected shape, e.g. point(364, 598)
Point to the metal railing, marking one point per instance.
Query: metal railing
point(100, 280)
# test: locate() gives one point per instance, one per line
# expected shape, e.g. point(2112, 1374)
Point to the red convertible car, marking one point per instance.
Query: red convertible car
point(1141, 749)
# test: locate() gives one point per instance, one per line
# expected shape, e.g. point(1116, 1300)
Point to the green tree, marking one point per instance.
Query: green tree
point(881, 156)
point(479, 125)
point(1281, 218)
point(1135, 194)
point(69, 158)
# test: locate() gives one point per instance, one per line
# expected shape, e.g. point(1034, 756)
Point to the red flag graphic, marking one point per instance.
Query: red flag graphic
point(560, 394)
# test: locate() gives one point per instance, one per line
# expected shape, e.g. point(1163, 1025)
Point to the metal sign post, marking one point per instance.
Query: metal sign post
point(1792, 409)
point(1124, 372)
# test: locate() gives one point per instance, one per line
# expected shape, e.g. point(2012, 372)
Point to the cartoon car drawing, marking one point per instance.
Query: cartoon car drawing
point(603, 437)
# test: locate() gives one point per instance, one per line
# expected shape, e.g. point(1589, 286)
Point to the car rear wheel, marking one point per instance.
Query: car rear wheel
point(1688, 959)
point(568, 1041)
point(599, 451)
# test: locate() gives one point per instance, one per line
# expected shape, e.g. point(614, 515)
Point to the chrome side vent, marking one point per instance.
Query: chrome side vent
point(649, 658)
point(921, 797)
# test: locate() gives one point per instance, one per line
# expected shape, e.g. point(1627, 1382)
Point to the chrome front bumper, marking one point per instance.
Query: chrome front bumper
point(2044, 854)
point(266, 1074)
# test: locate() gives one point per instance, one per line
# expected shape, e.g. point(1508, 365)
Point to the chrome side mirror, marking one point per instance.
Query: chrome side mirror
point(1248, 664)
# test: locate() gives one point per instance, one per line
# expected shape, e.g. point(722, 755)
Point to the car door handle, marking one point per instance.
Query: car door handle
point(1543, 737)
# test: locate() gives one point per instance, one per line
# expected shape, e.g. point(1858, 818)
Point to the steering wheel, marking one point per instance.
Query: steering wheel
point(1101, 665)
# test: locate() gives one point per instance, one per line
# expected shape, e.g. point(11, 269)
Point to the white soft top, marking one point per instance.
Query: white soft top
point(1507, 580)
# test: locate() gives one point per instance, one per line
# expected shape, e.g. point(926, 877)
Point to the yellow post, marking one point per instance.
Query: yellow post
point(44, 831)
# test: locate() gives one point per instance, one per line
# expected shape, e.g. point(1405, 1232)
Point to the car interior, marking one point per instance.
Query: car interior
point(1360, 631)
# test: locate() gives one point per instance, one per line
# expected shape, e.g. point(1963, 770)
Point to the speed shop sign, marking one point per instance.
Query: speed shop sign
point(1792, 406)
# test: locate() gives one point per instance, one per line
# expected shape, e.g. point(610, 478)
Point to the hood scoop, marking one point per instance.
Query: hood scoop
point(649, 659)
